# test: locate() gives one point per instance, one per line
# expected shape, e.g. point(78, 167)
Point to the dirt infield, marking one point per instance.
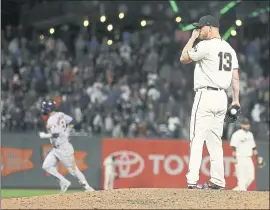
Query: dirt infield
point(144, 199)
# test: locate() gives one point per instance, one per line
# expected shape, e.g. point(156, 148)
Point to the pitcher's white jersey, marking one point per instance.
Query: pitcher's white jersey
point(215, 60)
point(58, 124)
point(244, 143)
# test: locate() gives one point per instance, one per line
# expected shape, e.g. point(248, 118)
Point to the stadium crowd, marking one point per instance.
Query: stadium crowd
point(135, 87)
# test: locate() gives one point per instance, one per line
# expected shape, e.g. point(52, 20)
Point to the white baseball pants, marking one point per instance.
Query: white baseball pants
point(206, 125)
point(65, 154)
point(109, 180)
point(245, 172)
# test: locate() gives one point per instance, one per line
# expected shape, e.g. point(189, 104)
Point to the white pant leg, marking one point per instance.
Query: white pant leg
point(241, 175)
point(66, 155)
point(50, 160)
point(111, 186)
point(108, 180)
point(198, 131)
point(250, 171)
point(214, 141)
point(217, 106)
point(49, 165)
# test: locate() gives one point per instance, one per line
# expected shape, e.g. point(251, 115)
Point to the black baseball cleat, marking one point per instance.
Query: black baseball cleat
point(192, 186)
point(211, 186)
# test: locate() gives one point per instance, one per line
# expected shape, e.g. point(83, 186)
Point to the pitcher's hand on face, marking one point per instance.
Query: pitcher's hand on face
point(195, 34)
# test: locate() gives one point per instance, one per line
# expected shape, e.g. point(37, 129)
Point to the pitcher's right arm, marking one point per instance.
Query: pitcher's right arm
point(235, 81)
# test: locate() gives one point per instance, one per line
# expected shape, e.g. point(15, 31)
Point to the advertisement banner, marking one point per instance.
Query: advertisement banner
point(79, 156)
point(144, 163)
point(15, 160)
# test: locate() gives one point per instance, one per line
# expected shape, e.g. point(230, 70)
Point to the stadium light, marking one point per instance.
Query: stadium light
point(238, 22)
point(51, 30)
point(110, 27)
point(109, 42)
point(143, 23)
point(233, 32)
point(85, 23)
point(103, 18)
point(41, 37)
point(121, 15)
point(178, 19)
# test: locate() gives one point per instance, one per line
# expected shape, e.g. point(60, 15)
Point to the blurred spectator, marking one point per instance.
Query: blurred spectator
point(256, 112)
point(125, 89)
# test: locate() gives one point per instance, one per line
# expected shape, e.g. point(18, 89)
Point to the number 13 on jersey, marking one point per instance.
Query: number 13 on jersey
point(225, 61)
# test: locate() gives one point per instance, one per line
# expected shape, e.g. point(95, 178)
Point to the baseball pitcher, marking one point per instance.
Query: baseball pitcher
point(215, 70)
point(58, 126)
point(243, 147)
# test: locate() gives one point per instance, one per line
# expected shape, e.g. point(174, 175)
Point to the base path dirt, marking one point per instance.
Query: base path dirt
point(144, 199)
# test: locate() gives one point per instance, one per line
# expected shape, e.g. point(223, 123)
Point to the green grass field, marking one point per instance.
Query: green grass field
point(8, 193)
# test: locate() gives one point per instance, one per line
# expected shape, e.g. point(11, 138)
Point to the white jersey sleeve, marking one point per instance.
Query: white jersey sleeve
point(198, 52)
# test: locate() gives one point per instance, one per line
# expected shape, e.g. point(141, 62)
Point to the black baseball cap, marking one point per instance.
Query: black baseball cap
point(207, 20)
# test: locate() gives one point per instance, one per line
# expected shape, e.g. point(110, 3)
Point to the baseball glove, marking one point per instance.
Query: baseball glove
point(232, 114)
point(260, 162)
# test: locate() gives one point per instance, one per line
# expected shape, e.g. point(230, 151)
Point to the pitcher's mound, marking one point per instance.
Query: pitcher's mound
point(144, 199)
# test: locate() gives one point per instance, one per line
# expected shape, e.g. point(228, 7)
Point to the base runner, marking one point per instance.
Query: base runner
point(58, 126)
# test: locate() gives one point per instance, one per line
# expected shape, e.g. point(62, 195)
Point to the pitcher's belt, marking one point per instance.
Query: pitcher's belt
point(209, 88)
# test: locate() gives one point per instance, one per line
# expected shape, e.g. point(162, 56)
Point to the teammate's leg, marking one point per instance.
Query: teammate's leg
point(106, 180)
point(241, 174)
point(237, 174)
point(198, 131)
point(250, 171)
point(111, 183)
point(49, 165)
point(66, 156)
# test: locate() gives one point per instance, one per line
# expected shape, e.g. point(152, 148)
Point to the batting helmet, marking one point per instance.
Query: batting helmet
point(47, 106)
